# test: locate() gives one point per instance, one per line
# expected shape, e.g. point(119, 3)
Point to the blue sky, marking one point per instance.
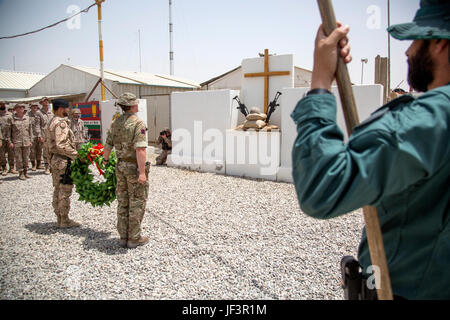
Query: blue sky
point(210, 36)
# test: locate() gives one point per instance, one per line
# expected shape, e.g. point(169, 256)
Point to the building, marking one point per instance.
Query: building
point(79, 84)
point(15, 84)
point(232, 79)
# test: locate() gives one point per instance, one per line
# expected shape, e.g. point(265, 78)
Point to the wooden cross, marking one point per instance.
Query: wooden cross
point(266, 74)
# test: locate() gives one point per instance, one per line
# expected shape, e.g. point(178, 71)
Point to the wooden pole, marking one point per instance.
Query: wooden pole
point(373, 230)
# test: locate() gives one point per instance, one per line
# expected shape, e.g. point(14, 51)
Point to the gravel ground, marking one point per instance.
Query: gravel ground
point(211, 237)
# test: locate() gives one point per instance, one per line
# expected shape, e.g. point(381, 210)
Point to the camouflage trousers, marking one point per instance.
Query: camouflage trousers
point(131, 198)
point(6, 152)
point(22, 156)
point(36, 150)
point(61, 192)
point(161, 159)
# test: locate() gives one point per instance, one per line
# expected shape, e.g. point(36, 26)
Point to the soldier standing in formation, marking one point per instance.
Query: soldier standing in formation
point(77, 127)
point(60, 145)
point(21, 137)
point(128, 135)
point(38, 140)
point(6, 153)
point(47, 116)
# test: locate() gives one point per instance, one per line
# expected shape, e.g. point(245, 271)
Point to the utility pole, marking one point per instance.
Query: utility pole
point(140, 61)
point(363, 61)
point(171, 37)
point(100, 42)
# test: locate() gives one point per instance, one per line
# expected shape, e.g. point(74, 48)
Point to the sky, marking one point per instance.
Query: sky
point(210, 37)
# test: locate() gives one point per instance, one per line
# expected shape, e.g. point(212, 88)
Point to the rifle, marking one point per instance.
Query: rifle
point(65, 177)
point(272, 106)
point(241, 107)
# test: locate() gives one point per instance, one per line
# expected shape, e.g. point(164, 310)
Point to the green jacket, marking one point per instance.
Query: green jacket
point(399, 161)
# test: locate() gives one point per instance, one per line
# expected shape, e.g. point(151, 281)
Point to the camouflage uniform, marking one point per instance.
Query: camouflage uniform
point(21, 135)
point(77, 128)
point(126, 134)
point(36, 148)
point(61, 147)
point(5, 150)
point(46, 117)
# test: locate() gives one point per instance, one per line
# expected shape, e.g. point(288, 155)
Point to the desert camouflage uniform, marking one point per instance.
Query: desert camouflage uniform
point(36, 148)
point(127, 133)
point(61, 147)
point(5, 150)
point(166, 149)
point(21, 135)
point(46, 117)
point(77, 128)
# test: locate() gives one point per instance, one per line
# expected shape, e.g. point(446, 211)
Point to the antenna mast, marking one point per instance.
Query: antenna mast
point(171, 37)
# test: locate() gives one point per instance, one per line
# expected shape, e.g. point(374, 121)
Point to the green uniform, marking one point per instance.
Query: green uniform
point(398, 161)
point(126, 134)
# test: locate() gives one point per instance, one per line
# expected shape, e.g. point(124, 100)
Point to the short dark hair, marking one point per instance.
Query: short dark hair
point(60, 103)
point(124, 108)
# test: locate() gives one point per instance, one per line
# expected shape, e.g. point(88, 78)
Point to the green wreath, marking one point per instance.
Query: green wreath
point(94, 192)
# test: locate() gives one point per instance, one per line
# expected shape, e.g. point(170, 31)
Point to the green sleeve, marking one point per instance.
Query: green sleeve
point(383, 157)
point(109, 143)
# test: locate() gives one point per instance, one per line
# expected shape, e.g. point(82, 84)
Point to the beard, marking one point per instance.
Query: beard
point(421, 66)
point(65, 114)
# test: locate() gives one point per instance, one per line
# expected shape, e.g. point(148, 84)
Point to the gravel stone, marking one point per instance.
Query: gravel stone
point(211, 237)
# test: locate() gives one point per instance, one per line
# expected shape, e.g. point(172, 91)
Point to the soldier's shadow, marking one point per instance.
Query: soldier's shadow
point(93, 239)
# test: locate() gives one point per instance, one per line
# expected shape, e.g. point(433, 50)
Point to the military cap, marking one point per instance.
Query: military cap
point(432, 21)
point(18, 105)
point(43, 99)
point(127, 99)
point(60, 103)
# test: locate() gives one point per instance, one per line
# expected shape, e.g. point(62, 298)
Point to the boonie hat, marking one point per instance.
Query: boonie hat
point(76, 110)
point(432, 21)
point(127, 99)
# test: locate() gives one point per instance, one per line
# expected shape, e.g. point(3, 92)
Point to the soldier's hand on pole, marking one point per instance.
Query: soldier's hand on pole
point(326, 55)
point(41, 139)
point(11, 145)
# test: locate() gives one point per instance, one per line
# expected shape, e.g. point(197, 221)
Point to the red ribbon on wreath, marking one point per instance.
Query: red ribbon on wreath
point(94, 152)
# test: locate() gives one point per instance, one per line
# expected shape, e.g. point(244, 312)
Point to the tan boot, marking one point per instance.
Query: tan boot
point(4, 171)
point(33, 167)
point(131, 244)
point(25, 173)
point(47, 169)
point(38, 165)
point(11, 170)
point(22, 176)
point(68, 223)
point(123, 242)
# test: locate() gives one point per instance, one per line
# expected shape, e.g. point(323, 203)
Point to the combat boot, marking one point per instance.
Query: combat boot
point(33, 167)
point(142, 241)
point(25, 173)
point(68, 223)
point(11, 170)
point(38, 165)
point(123, 242)
point(4, 171)
point(47, 169)
point(21, 176)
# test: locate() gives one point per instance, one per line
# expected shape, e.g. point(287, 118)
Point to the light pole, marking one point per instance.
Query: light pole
point(100, 41)
point(363, 61)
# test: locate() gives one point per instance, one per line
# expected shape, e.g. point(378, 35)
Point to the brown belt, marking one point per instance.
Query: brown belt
point(131, 160)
